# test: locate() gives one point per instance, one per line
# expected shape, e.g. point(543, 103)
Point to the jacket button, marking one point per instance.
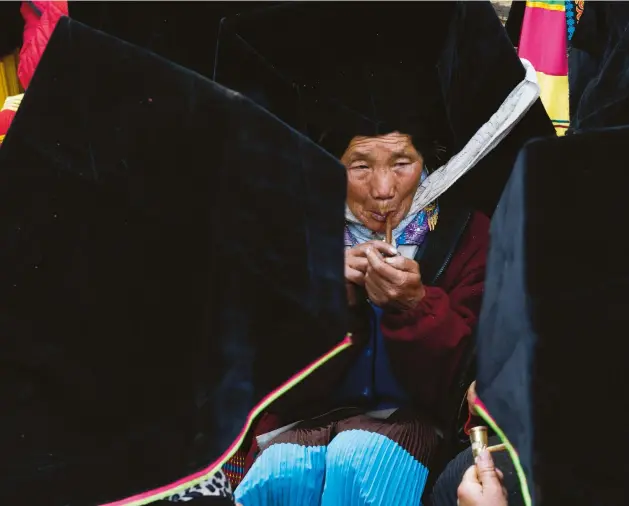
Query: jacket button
point(366, 392)
point(368, 352)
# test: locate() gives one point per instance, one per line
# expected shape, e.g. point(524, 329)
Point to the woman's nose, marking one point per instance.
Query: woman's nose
point(382, 185)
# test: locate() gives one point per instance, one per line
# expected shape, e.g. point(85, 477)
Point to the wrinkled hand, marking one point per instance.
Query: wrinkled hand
point(356, 265)
point(393, 282)
point(482, 484)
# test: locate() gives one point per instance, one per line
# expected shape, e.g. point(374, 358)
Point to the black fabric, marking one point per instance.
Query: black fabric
point(11, 27)
point(184, 32)
point(439, 246)
point(599, 67)
point(513, 26)
point(166, 243)
point(445, 490)
point(549, 346)
point(437, 69)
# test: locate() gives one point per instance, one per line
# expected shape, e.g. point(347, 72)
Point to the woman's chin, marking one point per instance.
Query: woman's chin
point(375, 226)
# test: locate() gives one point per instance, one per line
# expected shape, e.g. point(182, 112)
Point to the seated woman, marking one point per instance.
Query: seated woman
point(372, 434)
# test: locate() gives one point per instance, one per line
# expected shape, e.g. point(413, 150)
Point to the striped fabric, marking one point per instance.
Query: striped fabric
point(544, 42)
point(9, 83)
point(234, 468)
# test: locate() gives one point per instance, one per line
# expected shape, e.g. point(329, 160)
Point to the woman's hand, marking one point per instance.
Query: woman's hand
point(356, 265)
point(393, 282)
point(482, 484)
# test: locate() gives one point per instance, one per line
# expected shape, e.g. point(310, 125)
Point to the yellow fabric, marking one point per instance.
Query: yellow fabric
point(1, 138)
point(554, 95)
point(9, 83)
point(547, 6)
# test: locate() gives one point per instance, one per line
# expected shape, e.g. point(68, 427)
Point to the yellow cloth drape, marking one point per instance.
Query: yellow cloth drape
point(9, 83)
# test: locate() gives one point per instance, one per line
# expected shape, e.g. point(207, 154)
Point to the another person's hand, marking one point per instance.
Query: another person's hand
point(393, 282)
point(471, 398)
point(482, 484)
point(356, 265)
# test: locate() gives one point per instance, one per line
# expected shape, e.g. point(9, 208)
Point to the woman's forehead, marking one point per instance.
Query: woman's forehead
point(392, 142)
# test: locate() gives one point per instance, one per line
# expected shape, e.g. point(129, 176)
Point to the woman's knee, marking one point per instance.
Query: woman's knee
point(292, 472)
point(375, 467)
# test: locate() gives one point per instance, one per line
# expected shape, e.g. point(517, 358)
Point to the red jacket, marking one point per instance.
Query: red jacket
point(425, 345)
point(40, 20)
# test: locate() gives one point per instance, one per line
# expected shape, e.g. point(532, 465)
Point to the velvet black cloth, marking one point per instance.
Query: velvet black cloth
point(513, 26)
point(551, 360)
point(184, 32)
point(440, 69)
point(170, 253)
point(599, 67)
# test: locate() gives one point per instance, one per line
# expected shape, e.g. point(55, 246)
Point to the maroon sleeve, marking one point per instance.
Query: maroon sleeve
point(425, 344)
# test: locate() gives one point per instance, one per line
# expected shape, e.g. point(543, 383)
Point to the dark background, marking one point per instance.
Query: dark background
point(184, 32)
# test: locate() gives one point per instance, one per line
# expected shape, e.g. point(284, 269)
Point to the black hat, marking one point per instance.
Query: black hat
point(433, 69)
point(171, 255)
point(552, 355)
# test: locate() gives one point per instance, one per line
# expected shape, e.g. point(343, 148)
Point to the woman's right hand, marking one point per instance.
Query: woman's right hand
point(356, 264)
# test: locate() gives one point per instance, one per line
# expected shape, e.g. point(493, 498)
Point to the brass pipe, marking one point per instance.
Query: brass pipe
point(479, 440)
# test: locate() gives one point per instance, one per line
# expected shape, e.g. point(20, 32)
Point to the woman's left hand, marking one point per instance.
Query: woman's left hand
point(393, 282)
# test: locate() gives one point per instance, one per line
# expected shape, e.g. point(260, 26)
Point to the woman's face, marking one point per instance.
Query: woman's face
point(382, 176)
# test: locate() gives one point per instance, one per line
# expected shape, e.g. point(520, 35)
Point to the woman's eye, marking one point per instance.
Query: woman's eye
point(360, 166)
point(402, 164)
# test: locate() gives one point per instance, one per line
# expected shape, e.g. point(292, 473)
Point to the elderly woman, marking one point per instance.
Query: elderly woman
point(372, 433)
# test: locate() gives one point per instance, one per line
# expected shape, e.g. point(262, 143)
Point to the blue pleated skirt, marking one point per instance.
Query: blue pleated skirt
point(380, 464)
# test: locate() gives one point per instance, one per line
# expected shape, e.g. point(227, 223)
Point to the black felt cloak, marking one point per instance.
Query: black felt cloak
point(551, 353)
point(171, 254)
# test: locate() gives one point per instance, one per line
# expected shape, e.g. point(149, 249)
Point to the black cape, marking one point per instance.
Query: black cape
point(171, 253)
point(444, 65)
point(551, 357)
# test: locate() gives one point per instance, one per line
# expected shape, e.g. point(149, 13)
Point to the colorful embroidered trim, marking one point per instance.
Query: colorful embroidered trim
point(580, 5)
point(204, 474)
point(571, 23)
point(234, 468)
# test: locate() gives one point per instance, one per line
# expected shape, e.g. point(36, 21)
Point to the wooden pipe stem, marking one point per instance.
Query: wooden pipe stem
point(389, 230)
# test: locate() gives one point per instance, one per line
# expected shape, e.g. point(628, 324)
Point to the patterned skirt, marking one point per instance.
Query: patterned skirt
point(217, 487)
point(351, 461)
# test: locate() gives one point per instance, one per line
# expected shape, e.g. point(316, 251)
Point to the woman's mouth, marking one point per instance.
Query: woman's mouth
point(379, 216)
